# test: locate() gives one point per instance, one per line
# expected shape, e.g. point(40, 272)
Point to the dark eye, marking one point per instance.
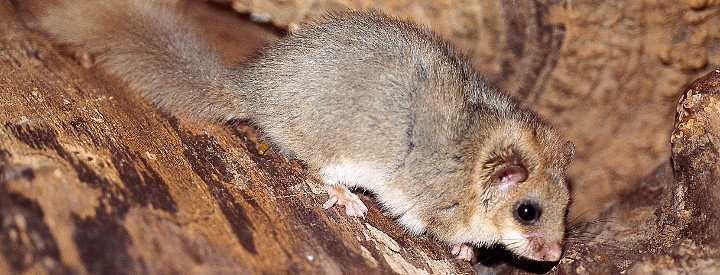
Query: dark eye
point(527, 212)
point(452, 207)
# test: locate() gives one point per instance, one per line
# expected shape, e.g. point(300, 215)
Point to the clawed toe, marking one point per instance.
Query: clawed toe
point(340, 195)
point(330, 202)
point(463, 252)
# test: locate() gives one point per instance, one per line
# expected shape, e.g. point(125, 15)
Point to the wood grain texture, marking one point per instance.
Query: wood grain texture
point(606, 73)
point(609, 75)
point(96, 180)
point(668, 223)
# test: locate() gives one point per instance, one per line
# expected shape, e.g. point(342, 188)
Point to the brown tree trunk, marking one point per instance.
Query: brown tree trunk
point(95, 179)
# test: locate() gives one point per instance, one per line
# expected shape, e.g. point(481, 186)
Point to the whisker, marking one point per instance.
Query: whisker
point(579, 216)
point(589, 223)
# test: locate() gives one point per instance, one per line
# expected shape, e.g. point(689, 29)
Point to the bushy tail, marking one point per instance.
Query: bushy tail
point(153, 49)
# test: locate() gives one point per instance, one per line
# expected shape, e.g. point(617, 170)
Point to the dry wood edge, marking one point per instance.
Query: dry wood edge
point(669, 222)
point(94, 179)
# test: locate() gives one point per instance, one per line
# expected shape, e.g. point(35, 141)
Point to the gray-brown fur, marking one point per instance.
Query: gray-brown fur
point(357, 88)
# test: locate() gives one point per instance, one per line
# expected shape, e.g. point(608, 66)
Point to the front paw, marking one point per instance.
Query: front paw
point(340, 195)
point(463, 252)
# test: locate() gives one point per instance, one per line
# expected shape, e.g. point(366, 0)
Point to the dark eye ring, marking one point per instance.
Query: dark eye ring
point(527, 212)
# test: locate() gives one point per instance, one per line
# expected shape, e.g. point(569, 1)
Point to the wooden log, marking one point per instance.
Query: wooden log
point(96, 180)
point(669, 222)
point(607, 73)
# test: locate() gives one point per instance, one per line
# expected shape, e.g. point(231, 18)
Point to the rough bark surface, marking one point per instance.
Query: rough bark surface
point(668, 222)
point(96, 180)
point(607, 73)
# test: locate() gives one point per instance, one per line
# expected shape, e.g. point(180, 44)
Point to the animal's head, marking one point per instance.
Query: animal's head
point(516, 194)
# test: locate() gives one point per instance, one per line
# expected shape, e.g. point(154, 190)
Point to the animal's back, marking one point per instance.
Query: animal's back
point(382, 81)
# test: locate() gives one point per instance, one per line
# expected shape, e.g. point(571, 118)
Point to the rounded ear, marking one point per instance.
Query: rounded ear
point(568, 151)
point(508, 175)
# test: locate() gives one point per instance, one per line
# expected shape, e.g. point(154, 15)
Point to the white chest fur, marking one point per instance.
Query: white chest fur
point(366, 176)
point(356, 174)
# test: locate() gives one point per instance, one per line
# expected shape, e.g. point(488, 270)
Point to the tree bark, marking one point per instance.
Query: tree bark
point(609, 75)
point(96, 180)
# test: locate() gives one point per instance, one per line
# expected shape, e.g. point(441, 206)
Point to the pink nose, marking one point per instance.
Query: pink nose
point(546, 251)
point(553, 252)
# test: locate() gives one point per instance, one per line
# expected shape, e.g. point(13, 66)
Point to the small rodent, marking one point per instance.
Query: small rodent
point(365, 101)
